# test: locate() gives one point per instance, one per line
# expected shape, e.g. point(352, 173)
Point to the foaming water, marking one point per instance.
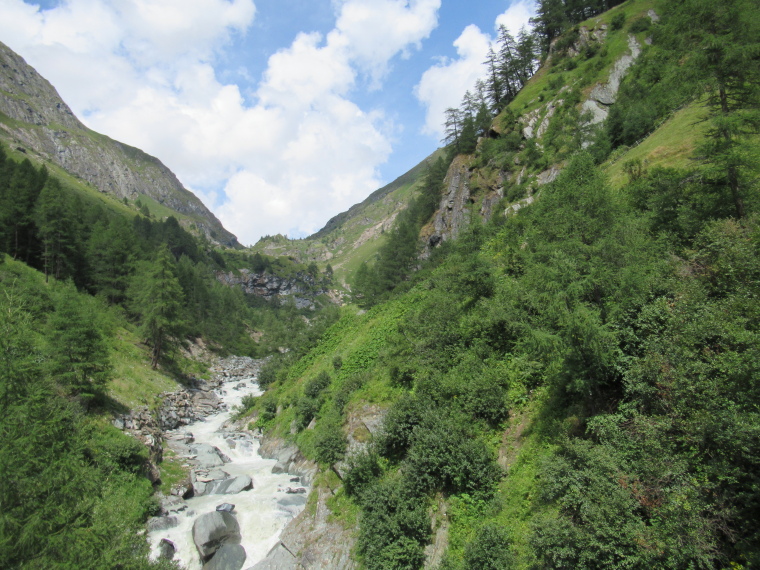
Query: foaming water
point(262, 512)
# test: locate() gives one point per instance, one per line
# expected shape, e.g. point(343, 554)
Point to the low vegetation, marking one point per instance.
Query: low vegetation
point(573, 381)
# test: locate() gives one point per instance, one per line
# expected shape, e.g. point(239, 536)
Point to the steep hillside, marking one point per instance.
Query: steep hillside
point(570, 380)
point(35, 121)
point(353, 236)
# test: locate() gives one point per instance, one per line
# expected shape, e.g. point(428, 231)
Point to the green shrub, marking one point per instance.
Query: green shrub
point(342, 395)
point(618, 21)
point(515, 192)
point(446, 454)
point(489, 550)
point(394, 527)
point(557, 82)
point(247, 405)
point(110, 449)
point(268, 373)
point(337, 362)
point(329, 441)
point(486, 398)
point(317, 385)
point(639, 25)
point(306, 410)
point(363, 471)
point(401, 376)
point(398, 426)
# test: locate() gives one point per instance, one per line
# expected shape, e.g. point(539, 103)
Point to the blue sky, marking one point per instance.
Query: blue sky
point(278, 114)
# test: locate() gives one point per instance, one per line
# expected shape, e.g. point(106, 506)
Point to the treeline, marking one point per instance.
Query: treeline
point(509, 66)
point(398, 256)
point(553, 17)
point(160, 274)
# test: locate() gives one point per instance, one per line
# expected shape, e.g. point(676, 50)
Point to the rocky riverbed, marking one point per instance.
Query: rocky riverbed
point(232, 508)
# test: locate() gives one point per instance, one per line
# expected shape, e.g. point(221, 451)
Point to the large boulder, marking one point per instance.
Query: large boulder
point(230, 486)
point(207, 456)
point(228, 557)
point(166, 549)
point(279, 558)
point(205, 485)
point(162, 523)
point(212, 530)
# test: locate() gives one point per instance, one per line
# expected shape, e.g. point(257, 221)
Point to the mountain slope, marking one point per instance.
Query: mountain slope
point(571, 384)
point(34, 120)
point(353, 236)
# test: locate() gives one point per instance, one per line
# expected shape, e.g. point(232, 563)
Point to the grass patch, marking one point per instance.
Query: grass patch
point(172, 471)
point(671, 145)
point(134, 382)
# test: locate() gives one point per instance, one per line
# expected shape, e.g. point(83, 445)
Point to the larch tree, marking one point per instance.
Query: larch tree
point(157, 299)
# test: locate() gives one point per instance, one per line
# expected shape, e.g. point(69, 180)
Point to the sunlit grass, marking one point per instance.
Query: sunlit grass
point(671, 145)
point(134, 382)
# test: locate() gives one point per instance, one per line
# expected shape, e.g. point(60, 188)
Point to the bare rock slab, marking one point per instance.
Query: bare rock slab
point(279, 558)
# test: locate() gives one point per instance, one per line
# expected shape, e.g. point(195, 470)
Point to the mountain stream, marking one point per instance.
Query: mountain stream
point(215, 452)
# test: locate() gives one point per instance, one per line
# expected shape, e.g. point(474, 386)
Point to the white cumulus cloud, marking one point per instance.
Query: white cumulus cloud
point(444, 84)
point(286, 160)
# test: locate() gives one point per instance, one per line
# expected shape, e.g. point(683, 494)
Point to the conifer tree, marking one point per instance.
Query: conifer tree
point(56, 230)
point(111, 255)
point(79, 355)
point(725, 51)
point(493, 81)
point(452, 127)
point(17, 212)
point(157, 299)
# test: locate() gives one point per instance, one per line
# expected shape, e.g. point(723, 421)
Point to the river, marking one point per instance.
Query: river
point(262, 512)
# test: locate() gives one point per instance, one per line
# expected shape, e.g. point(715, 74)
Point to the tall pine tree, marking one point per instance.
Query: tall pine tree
point(157, 299)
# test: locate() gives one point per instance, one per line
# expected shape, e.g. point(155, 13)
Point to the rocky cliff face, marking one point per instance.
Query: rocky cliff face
point(453, 213)
point(303, 287)
point(37, 122)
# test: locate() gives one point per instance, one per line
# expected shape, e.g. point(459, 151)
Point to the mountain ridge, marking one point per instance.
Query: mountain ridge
point(35, 120)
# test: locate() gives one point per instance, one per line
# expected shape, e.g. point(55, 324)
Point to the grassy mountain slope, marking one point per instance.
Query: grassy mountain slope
point(35, 121)
point(571, 385)
point(355, 235)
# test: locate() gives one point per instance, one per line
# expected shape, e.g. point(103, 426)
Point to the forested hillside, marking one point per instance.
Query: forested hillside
point(572, 382)
point(96, 308)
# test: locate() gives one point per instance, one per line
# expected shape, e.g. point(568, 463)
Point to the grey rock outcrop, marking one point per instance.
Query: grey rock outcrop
point(289, 459)
point(303, 287)
point(604, 95)
point(228, 557)
point(453, 215)
point(278, 558)
point(212, 530)
point(46, 127)
point(314, 541)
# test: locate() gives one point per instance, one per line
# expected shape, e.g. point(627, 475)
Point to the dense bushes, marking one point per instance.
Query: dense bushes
point(618, 327)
